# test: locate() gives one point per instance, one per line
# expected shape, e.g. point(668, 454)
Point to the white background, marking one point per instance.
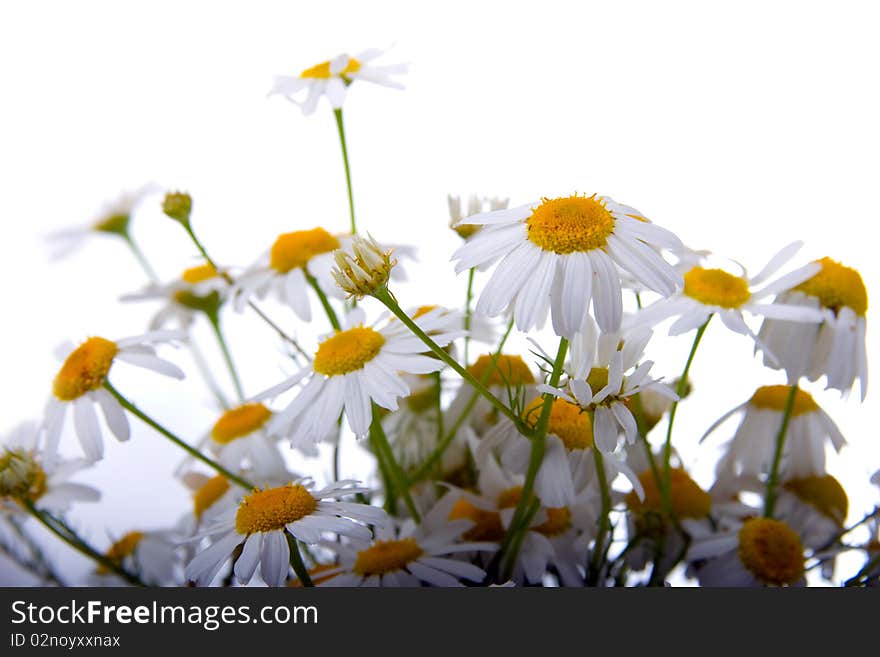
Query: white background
point(740, 126)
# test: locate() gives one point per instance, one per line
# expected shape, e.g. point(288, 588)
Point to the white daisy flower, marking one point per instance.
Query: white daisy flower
point(750, 452)
point(331, 79)
point(265, 518)
point(755, 552)
point(25, 475)
point(80, 384)
point(715, 291)
point(412, 429)
point(151, 555)
point(559, 254)
point(475, 205)
point(409, 554)
point(352, 369)
point(835, 348)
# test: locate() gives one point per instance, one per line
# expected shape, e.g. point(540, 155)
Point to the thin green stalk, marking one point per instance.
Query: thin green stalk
point(773, 478)
point(438, 403)
point(467, 314)
point(387, 481)
point(596, 560)
point(398, 476)
point(856, 579)
point(227, 356)
point(386, 298)
point(141, 258)
point(36, 560)
point(67, 535)
point(134, 410)
point(667, 448)
point(341, 127)
point(325, 302)
point(297, 562)
point(205, 371)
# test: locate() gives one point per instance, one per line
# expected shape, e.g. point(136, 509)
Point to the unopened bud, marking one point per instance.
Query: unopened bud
point(365, 270)
point(178, 206)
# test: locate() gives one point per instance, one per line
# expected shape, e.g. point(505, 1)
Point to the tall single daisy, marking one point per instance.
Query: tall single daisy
point(263, 520)
point(353, 368)
point(834, 348)
point(332, 78)
point(80, 384)
point(558, 254)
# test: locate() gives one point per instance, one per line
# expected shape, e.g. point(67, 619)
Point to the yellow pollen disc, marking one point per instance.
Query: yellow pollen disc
point(688, 500)
point(122, 548)
point(824, 493)
point(322, 71)
point(114, 223)
point(836, 286)
point(771, 551)
point(715, 287)
point(272, 509)
point(347, 351)
point(466, 230)
point(571, 224)
point(573, 426)
point(487, 524)
point(558, 520)
point(210, 492)
point(292, 250)
point(85, 369)
point(504, 371)
point(386, 557)
point(510, 497)
point(775, 398)
point(198, 274)
point(239, 422)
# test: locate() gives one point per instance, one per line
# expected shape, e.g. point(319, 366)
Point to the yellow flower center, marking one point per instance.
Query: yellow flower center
point(573, 426)
point(466, 231)
point(558, 518)
point(114, 223)
point(210, 492)
point(687, 499)
point(836, 286)
point(85, 369)
point(239, 422)
point(122, 548)
point(198, 274)
point(571, 224)
point(322, 71)
point(487, 524)
point(771, 551)
point(21, 477)
point(776, 397)
point(715, 287)
point(347, 351)
point(502, 371)
point(292, 250)
point(272, 509)
point(824, 493)
point(386, 556)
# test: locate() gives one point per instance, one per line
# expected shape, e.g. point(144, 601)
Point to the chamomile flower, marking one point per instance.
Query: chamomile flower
point(199, 289)
point(834, 348)
point(152, 555)
point(559, 254)
point(475, 205)
point(80, 384)
point(352, 369)
point(709, 291)
point(754, 552)
point(412, 429)
point(750, 452)
point(331, 79)
point(264, 519)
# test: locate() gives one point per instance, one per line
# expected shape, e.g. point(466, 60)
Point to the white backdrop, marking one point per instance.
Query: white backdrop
point(740, 126)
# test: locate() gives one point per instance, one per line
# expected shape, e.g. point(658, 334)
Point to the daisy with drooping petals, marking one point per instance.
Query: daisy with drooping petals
point(266, 517)
point(750, 452)
point(352, 369)
point(331, 79)
point(80, 384)
point(715, 291)
point(559, 254)
point(834, 348)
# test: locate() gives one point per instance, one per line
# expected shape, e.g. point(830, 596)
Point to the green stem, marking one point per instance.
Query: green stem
point(773, 478)
point(386, 298)
point(377, 434)
point(667, 447)
point(141, 258)
point(467, 314)
point(205, 370)
point(387, 481)
point(339, 125)
point(227, 356)
point(325, 302)
point(596, 560)
point(36, 560)
point(856, 579)
point(296, 561)
point(643, 437)
point(134, 410)
point(67, 535)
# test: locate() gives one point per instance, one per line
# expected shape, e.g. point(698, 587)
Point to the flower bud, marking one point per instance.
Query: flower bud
point(178, 206)
point(365, 270)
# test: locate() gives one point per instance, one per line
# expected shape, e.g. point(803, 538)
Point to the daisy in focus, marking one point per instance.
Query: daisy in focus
point(352, 369)
point(834, 348)
point(558, 254)
point(80, 384)
point(332, 78)
point(267, 518)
